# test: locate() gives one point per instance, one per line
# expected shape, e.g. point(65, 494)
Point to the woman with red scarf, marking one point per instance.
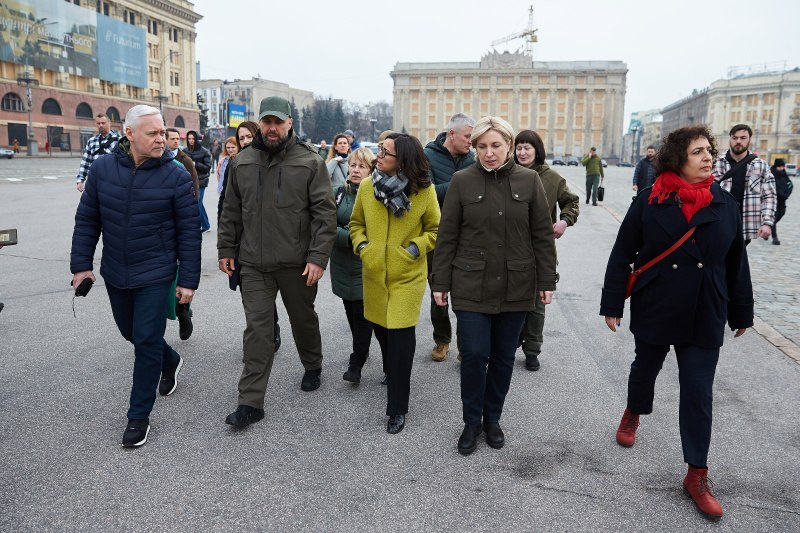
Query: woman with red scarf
point(685, 299)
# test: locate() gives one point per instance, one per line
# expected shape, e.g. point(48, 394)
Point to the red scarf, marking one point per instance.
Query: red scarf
point(692, 196)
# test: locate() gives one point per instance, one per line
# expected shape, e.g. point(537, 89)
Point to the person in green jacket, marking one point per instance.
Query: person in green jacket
point(530, 153)
point(393, 226)
point(495, 253)
point(346, 266)
point(594, 174)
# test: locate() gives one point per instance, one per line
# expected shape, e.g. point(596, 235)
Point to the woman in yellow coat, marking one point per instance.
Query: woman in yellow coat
point(393, 226)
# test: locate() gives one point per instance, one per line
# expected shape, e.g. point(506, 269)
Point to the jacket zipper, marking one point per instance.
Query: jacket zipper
point(278, 192)
point(125, 232)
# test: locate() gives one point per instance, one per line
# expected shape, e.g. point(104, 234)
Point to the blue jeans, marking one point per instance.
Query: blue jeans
point(488, 343)
point(139, 314)
point(205, 224)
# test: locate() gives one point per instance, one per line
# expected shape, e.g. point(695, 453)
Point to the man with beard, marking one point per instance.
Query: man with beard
point(644, 175)
point(748, 179)
point(279, 217)
point(101, 144)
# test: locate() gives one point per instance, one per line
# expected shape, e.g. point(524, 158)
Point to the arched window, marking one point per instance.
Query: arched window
point(12, 102)
point(51, 107)
point(84, 111)
point(179, 123)
point(113, 114)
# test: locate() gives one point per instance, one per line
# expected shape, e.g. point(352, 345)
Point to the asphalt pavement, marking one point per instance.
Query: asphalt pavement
point(322, 461)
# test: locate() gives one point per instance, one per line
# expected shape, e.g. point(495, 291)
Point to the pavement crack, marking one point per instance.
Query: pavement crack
point(567, 491)
point(765, 508)
point(36, 258)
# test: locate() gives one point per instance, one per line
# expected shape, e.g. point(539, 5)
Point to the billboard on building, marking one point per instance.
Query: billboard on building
point(236, 114)
point(62, 37)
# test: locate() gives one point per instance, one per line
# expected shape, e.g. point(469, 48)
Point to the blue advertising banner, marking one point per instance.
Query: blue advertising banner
point(63, 37)
point(123, 52)
point(236, 114)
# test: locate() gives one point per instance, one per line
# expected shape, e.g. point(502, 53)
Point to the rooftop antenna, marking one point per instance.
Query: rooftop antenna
point(529, 34)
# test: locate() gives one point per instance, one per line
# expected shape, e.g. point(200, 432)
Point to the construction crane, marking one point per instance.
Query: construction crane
point(529, 34)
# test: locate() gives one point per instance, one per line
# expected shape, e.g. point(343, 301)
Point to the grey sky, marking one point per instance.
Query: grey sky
point(347, 49)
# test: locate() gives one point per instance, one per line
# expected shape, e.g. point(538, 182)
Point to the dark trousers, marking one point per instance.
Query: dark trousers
point(532, 335)
point(205, 224)
point(488, 343)
point(779, 212)
point(440, 316)
point(397, 348)
point(140, 317)
point(696, 369)
point(592, 183)
point(259, 290)
point(360, 329)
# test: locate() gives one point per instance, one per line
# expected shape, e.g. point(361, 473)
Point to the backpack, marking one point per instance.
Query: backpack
point(783, 186)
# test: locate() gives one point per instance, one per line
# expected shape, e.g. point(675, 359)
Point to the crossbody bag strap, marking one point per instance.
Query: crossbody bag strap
point(666, 252)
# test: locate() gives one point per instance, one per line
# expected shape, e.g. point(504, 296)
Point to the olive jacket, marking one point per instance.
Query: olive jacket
point(558, 194)
point(394, 280)
point(279, 210)
point(345, 265)
point(495, 245)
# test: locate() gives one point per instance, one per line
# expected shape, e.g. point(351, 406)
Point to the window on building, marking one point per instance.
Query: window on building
point(766, 115)
point(769, 99)
point(599, 80)
point(113, 114)
point(179, 122)
point(736, 101)
point(84, 111)
point(762, 145)
point(750, 116)
point(12, 102)
point(752, 99)
point(51, 107)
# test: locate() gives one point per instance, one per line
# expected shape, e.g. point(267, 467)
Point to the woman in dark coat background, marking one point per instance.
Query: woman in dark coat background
point(202, 164)
point(685, 299)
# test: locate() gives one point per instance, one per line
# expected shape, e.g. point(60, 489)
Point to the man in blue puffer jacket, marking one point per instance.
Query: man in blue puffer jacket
point(141, 201)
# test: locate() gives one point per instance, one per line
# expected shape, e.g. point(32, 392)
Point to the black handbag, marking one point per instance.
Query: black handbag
point(601, 193)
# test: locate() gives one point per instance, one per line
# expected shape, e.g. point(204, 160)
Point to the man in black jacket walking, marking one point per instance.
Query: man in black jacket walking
point(644, 175)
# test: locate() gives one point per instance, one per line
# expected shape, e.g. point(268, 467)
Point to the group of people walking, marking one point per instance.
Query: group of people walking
point(474, 214)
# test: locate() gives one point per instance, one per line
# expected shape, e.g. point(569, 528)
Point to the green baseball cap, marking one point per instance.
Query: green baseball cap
point(275, 106)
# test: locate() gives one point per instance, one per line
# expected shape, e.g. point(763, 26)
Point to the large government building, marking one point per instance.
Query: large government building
point(765, 97)
point(63, 62)
point(572, 104)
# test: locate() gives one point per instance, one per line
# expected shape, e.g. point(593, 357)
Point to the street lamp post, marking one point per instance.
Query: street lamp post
point(27, 80)
point(372, 122)
point(633, 145)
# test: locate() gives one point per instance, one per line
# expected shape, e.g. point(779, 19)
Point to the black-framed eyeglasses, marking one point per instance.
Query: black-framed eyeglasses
point(383, 151)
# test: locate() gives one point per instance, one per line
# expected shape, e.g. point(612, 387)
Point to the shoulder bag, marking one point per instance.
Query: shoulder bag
point(636, 273)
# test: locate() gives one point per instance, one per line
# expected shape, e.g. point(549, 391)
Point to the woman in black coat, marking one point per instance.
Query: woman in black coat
point(685, 299)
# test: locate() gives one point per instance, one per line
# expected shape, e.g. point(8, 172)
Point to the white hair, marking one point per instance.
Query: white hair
point(459, 120)
point(136, 112)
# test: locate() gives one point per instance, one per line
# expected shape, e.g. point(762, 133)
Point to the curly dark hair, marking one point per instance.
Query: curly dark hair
point(673, 152)
point(411, 160)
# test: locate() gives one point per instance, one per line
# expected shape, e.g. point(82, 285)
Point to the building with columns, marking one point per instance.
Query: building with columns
point(80, 58)
point(764, 97)
point(572, 104)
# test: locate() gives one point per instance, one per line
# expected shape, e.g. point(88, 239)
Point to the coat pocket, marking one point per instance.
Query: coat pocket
point(467, 282)
point(521, 280)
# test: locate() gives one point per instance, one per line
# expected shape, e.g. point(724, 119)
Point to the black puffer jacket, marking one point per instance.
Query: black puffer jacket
point(201, 158)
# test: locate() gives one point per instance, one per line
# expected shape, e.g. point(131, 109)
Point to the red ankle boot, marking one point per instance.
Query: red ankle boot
point(697, 486)
point(626, 433)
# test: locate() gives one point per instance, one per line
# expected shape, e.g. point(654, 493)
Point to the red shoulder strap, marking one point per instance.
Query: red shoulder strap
point(666, 252)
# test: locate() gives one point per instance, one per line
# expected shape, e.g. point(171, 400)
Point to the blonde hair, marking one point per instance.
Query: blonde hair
point(361, 155)
point(384, 134)
point(493, 124)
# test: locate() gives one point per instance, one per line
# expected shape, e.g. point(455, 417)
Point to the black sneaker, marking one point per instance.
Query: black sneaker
point(277, 337)
point(353, 374)
point(244, 416)
point(185, 326)
point(169, 379)
point(385, 380)
point(532, 362)
point(136, 433)
point(311, 380)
